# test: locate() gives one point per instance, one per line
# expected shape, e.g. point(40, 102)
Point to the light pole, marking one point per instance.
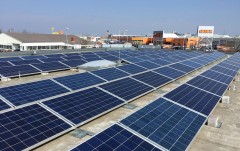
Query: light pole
point(67, 37)
point(127, 35)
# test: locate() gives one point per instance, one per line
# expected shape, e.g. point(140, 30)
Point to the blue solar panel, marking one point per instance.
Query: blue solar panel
point(224, 71)
point(10, 59)
point(166, 124)
point(148, 65)
point(131, 68)
point(3, 105)
point(51, 66)
point(229, 66)
point(79, 81)
point(191, 64)
point(200, 61)
point(55, 55)
point(218, 76)
point(20, 62)
point(51, 59)
point(194, 98)
point(131, 59)
point(182, 67)
point(33, 57)
point(5, 64)
point(88, 59)
point(111, 58)
point(30, 92)
point(74, 63)
point(110, 73)
point(127, 88)
point(116, 138)
point(84, 105)
point(15, 71)
point(22, 128)
point(71, 54)
point(73, 57)
point(160, 62)
point(153, 79)
point(144, 57)
point(170, 59)
point(208, 85)
point(170, 72)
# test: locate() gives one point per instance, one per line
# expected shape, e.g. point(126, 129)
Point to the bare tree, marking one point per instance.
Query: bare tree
point(0, 30)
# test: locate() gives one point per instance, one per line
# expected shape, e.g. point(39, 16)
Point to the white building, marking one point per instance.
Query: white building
point(25, 42)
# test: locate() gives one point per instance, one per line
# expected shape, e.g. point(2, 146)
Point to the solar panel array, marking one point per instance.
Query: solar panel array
point(78, 107)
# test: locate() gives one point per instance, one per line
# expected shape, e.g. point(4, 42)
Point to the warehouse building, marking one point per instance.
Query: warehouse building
point(26, 41)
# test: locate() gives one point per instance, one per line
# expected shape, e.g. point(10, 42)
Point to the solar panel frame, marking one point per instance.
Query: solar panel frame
point(74, 63)
point(217, 76)
point(83, 106)
point(208, 85)
point(50, 66)
point(153, 79)
point(148, 65)
point(22, 62)
point(79, 81)
point(3, 105)
point(127, 88)
point(33, 57)
point(110, 73)
point(16, 71)
point(166, 124)
point(182, 67)
point(116, 138)
point(132, 68)
point(194, 98)
point(31, 92)
point(170, 72)
point(29, 127)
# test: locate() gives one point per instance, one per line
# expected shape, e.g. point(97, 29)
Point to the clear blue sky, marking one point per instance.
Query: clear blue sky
point(137, 16)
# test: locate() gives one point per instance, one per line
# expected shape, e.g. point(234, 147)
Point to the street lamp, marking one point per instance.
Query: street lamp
point(127, 35)
point(67, 37)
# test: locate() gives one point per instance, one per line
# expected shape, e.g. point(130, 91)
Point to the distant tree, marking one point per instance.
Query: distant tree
point(10, 30)
point(0, 30)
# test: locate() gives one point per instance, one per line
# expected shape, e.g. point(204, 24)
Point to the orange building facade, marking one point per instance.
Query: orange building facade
point(187, 43)
point(141, 40)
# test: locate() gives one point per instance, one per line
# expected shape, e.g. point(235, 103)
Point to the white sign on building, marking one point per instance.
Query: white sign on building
point(205, 31)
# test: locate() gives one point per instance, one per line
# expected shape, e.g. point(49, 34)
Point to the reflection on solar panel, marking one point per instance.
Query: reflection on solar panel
point(74, 63)
point(194, 98)
point(52, 59)
point(110, 73)
point(79, 81)
point(51, 66)
point(152, 79)
point(116, 138)
point(182, 67)
point(165, 123)
point(208, 85)
point(126, 88)
point(30, 92)
point(28, 126)
point(224, 71)
point(81, 106)
point(191, 64)
point(160, 62)
point(15, 71)
point(33, 57)
point(3, 105)
point(148, 64)
point(131, 68)
point(20, 62)
point(5, 64)
point(10, 59)
point(170, 72)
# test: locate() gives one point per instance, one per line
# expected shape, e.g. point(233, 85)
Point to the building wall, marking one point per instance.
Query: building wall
point(141, 40)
